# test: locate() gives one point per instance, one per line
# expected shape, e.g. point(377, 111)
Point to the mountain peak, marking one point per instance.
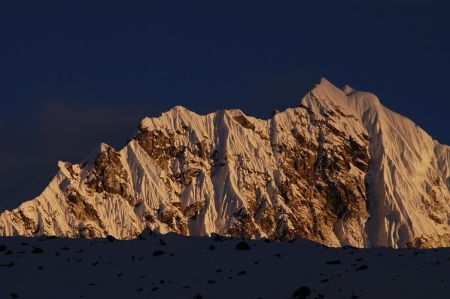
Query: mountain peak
point(347, 89)
point(324, 81)
point(326, 89)
point(340, 169)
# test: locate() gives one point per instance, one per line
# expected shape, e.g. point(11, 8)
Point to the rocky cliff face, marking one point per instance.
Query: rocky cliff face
point(339, 169)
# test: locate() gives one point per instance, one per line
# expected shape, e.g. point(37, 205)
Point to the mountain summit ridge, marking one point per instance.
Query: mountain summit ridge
point(339, 169)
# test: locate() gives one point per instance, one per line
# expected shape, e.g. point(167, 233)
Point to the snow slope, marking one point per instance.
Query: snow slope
point(339, 169)
point(408, 177)
point(173, 266)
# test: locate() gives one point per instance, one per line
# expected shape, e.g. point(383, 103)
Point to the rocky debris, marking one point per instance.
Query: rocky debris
point(158, 146)
point(323, 200)
point(37, 250)
point(173, 218)
point(217, 237)
point(429, 241)
point(109, 175)
point(361, 267)
point(435, 203)
point(186, 176)
point(83, 210)
point(116, 274)
point(243, 121)
point(192, 211)
point(301, 293)
point(158, 253)
point(242, 246)
point(10, 264)
point(88, 231)
point(359, 155)
point(19, 218)
point(243, 224)
point(110, 238)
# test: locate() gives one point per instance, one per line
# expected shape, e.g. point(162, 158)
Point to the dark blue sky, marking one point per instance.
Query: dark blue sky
point(76, 73)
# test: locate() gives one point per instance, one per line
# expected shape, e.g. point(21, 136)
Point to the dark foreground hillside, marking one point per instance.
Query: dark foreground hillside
point(173, 266)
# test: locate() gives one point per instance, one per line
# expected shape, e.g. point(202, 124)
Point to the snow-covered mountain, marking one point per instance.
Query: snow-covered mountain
point(339, 169)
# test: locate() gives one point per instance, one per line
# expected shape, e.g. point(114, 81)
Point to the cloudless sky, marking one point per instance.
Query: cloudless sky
point(76, 73)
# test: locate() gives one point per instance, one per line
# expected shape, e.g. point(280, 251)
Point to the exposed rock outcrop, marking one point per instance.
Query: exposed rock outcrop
point(340, 169)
